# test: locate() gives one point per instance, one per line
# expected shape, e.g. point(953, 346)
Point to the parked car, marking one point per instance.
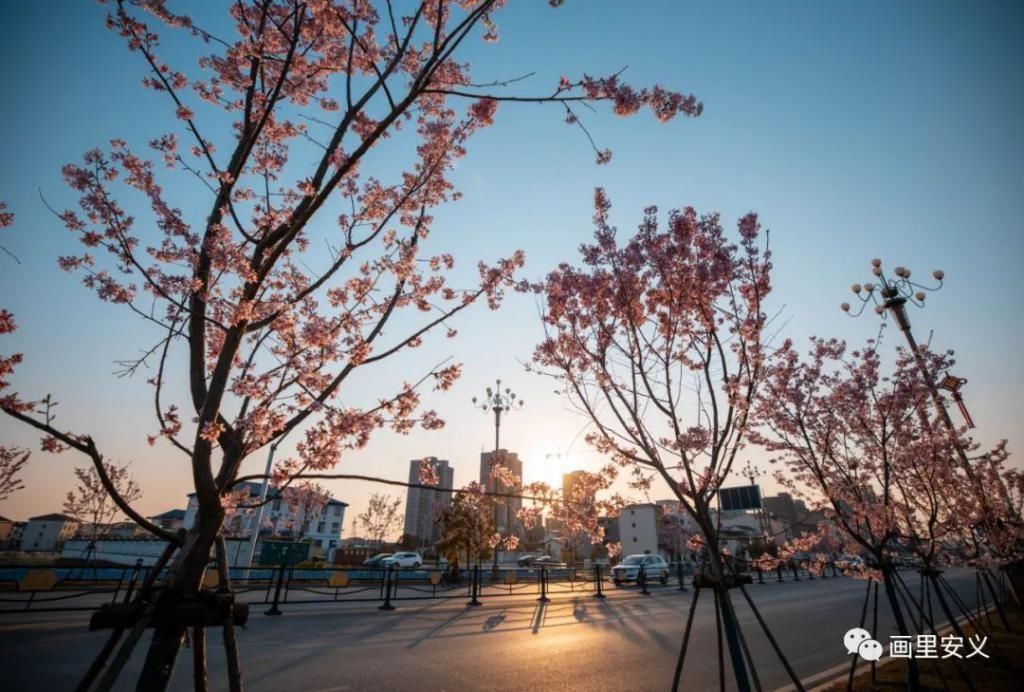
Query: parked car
point(545, 561)
point(376, 560)
point(527, 560)
point(413, 560)
point(654, 567)
point(852, 561)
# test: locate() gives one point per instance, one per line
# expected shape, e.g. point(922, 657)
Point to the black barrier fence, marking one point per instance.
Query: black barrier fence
point(69, 589)
point(85, 589)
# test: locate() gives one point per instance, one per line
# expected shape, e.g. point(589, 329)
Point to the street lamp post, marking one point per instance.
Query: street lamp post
point(500, 402)
point(890, 296)
point(258, 519)
point(752, 473)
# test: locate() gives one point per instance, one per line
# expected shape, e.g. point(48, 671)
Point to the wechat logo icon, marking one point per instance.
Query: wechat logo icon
point(858, 641)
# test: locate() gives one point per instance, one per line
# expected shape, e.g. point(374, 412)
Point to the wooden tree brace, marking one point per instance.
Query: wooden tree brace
point(202, 610)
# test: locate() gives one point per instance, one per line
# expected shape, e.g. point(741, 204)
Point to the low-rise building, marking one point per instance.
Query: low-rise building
point(172, 519)
point(13, 541)
point(6, 526)
point(638, 529)
point(48, 532)
point(322, 526)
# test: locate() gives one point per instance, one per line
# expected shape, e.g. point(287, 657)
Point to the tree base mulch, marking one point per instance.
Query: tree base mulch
point(1003, 671)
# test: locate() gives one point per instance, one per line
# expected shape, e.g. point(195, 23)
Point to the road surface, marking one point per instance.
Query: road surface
point(626, 641)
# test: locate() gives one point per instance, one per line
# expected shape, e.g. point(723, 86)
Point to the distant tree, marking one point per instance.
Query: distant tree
point(382, 517)
point(467, 526)
point(92, 504)
point(11, 462)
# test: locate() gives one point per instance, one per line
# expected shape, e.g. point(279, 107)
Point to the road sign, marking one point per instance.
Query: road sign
point(740, 497)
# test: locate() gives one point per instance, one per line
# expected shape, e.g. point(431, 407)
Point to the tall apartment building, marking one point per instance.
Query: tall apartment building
point(422, 505)
point(507, 513)
point(574, 490)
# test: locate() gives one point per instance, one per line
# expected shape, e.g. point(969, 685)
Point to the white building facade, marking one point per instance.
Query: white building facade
point(48, 532)
point(638, 529)
point(321, 526)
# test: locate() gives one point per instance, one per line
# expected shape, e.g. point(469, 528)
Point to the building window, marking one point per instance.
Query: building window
point(634, 539)
point(320, 527)
point(276, 507)
point(335, 527)
point(634, 524)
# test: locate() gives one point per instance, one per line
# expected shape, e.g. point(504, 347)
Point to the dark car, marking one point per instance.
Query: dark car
point(376, 560)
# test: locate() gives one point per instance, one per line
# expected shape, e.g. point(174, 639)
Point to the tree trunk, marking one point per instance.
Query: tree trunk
point(913, 680)
point(729, 621)
point(168, 636)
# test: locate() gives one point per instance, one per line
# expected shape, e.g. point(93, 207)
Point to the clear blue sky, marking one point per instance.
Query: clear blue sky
point(855, 130)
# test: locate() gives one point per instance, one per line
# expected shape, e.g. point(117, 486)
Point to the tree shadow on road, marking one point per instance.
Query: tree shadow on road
point(438, 628)
point(494, 621)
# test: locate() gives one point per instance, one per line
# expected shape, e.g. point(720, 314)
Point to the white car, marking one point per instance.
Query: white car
point(654, 567)
point(413, 560)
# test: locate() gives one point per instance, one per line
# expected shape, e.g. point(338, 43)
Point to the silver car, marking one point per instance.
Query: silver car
point(654, 567)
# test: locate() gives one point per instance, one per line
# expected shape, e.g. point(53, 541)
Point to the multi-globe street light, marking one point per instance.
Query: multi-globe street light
point(752, 473)
point(891, 296)
point(499, 402)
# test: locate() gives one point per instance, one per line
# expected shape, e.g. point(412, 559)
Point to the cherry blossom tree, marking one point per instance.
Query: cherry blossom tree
point(12, 460)
point(264, 326)
point(92, 505)
point(467, 526)
point(859, 444)
point(657, 340)
point(382, 517)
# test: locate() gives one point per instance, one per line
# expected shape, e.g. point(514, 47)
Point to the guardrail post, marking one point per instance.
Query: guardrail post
point(387, 589)
point(778, 570)
point(474, 586)
point(760, 575)
point(543, 585)
point(796, 574)
point(680, 576)
point(642, 579)
point(598, 579)
point(274, 610)
point(834, 573)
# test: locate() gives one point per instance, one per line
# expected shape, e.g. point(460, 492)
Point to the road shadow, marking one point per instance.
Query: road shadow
point(494, 621)
point(437, 629)
point(538, 617)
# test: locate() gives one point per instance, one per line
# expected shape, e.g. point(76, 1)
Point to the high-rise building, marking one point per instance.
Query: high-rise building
point(572, 488)
point(422, 506)
point(570, 493)
point(506, 515)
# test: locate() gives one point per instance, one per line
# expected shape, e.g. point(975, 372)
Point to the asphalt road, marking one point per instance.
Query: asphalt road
point(626, 641)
